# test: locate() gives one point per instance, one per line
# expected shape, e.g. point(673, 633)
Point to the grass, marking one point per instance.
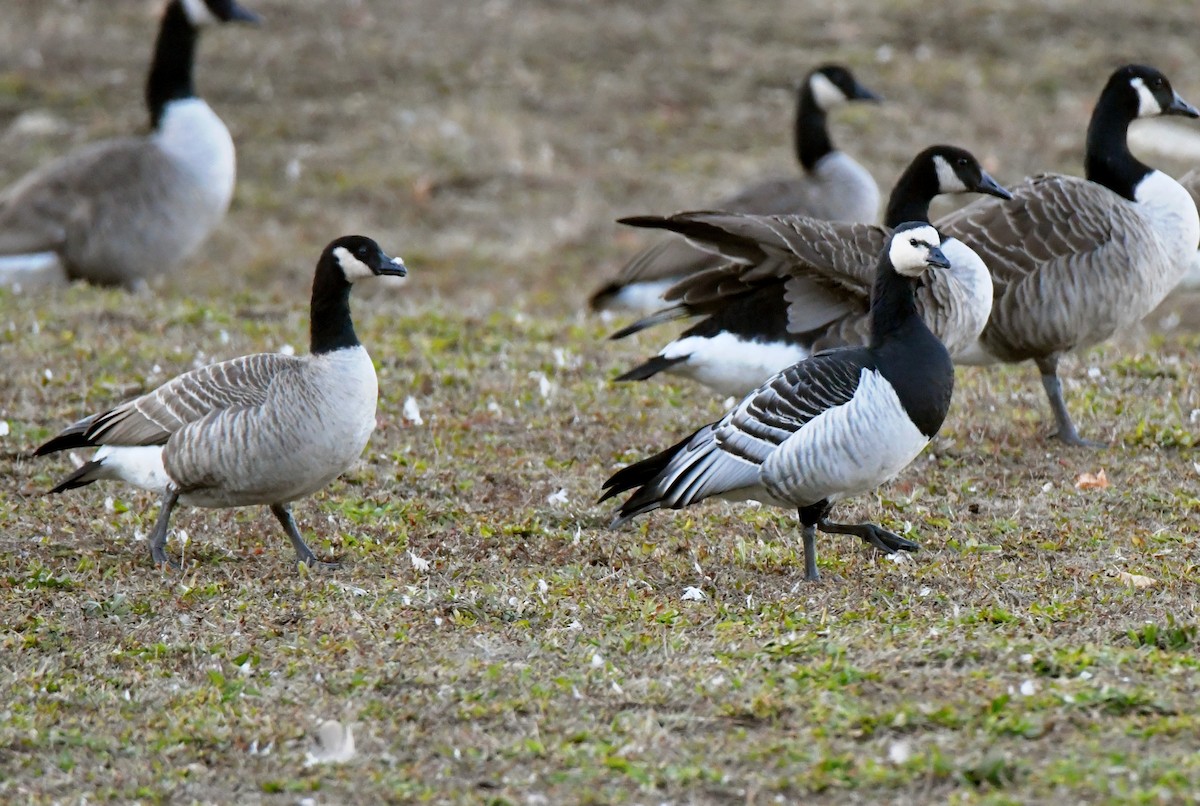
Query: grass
point(490, 639)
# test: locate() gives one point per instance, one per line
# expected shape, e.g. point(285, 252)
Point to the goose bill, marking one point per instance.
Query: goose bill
point(1181, 107)
point(993, 188)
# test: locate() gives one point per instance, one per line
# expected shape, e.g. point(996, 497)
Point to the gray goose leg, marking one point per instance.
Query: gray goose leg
point(1048, 366)
point(283, 513)
point(809, 517)
point(877, 536)
point(158, 538)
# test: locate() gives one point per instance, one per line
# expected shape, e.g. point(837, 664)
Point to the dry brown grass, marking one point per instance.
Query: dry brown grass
point(541, 658)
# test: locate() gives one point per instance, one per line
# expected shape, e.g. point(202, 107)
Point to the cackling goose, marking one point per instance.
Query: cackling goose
point(1076, 260)
point(119, 212)
point(833, 187)
point(796, 285)
point(261, 429)
point(837, 424)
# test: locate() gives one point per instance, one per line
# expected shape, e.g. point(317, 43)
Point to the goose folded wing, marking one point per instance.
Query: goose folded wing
point(745, 438)
point(153, 417)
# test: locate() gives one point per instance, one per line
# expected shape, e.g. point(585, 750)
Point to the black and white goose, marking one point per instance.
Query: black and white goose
point(1076, 260)
point(795, 285)
point(119, 212)
point(833, 186)
point(837, 424)
point(263, 429)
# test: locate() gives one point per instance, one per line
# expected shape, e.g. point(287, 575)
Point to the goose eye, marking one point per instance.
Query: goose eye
point(913, 242)
point(962, 161)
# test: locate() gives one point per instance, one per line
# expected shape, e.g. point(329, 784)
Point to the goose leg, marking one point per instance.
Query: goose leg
point(1048, 366)
point(284, 514)
point(809, 517)
point(158, 538)
point(877, 536)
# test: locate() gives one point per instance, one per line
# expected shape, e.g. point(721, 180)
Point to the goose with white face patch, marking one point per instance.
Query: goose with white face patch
point(837, 424)
point(1075, 261)
point(120, 212)
point(794, 285)
point(833, 187)
point(263, 429)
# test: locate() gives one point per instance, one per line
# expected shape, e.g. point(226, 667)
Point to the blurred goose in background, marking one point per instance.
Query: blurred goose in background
point(119, 212)
point(834, 425)
point(794, 285)
point(833, 187)
point(261, 429)
point(1076, 260)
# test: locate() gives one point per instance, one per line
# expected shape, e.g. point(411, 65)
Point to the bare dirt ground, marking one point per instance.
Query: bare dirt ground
point(488, 637)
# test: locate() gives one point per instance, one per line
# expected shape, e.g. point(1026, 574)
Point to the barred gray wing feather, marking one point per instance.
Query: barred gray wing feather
point(730, 455)
point(153, 417)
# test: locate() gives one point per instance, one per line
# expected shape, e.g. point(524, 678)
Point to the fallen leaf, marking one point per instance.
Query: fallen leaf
point(1092, 481)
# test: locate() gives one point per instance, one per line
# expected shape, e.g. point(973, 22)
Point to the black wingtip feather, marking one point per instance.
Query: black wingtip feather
point(656, 318)
point(603, 297)
point(67, 440)
point(76, 479)
point(643, 476)
point(651, 367)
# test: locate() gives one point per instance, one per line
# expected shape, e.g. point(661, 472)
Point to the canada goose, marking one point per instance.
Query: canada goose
point(261, 429)
point(837, 424)
point(1076, 260)
point(833, 186)
point(797, 285)
point(118, 212)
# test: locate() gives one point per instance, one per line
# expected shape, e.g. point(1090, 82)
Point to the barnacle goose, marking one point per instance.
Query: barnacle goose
point(261, 429)
point(834, 425)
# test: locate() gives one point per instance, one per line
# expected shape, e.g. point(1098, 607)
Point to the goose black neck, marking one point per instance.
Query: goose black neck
point(171, 71)
point(330, 326)
point(1108, 161)
point(893, 304)
point(912, 194)
point(812, 133)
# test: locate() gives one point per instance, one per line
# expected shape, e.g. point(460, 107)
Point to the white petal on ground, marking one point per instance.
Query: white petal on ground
point(335, 744)
point(412, 412)
point(693, 594)
point(418, 563)
point(557, 499)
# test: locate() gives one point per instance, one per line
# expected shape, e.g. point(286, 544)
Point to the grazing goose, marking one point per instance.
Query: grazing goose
point(260, 429)
point(837, 424)
point(1076, 260)
point(833, 187)
point(119, 212)
point(797, 285)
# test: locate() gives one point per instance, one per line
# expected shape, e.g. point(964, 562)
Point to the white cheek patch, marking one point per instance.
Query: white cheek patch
point(352, 267)
point(948, 180)
point(825, 92)
point(1148, 105)
point(907, 259)
point(198, 12)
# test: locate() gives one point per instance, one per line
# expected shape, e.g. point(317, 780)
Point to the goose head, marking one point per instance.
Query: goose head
point(207, 12)
point(833, 85)
point(1149, 92)
point(359, 257)
point(915, 247)
point(958, 171)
